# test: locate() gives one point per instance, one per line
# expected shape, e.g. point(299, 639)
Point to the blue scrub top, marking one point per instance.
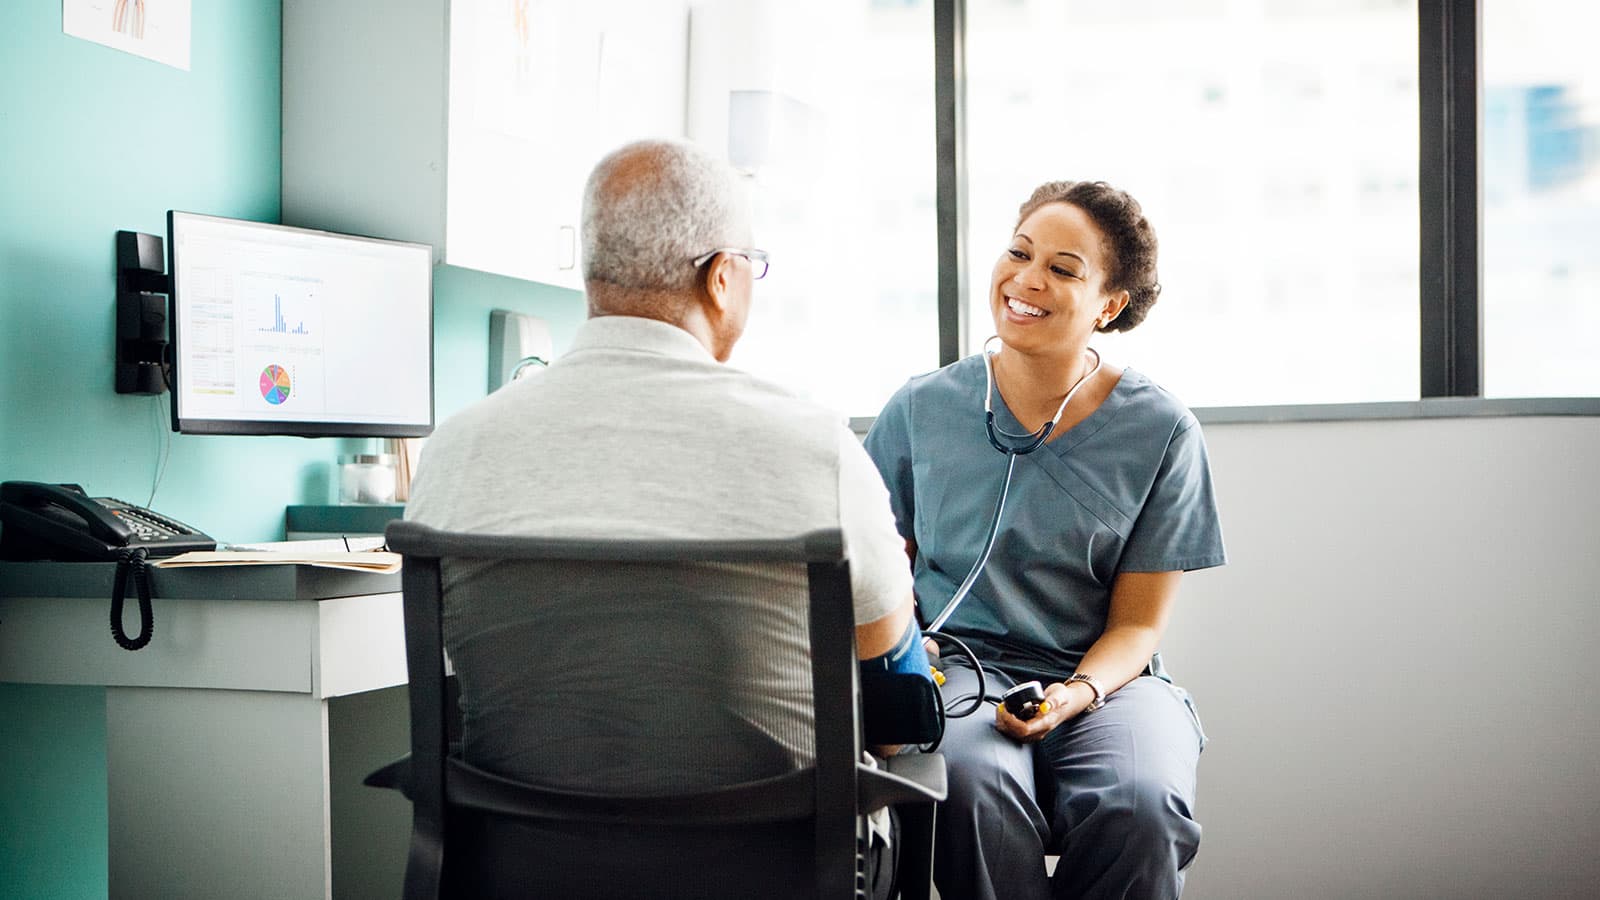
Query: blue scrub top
point(1128, 489)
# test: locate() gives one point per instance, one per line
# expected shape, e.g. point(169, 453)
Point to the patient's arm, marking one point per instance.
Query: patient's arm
point(897, 640)
point(928, 646)
point(880, 636)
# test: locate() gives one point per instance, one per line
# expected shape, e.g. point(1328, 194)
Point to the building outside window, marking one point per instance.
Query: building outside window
point(1540, 128)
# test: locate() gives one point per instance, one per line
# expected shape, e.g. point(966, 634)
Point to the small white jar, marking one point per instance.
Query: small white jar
point(366, 478)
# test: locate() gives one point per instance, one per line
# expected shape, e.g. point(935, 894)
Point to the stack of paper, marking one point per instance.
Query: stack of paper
point(379, 561)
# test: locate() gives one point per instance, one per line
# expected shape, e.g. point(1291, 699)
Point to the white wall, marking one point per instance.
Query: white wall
point(1397, 669)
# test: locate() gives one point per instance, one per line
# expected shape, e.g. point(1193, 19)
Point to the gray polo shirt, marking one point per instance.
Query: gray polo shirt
point(638, 431)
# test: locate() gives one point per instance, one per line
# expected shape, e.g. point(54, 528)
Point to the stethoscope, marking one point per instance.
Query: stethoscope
point(1012, 446)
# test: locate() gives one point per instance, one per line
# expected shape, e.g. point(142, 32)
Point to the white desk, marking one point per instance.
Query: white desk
point(237, 740)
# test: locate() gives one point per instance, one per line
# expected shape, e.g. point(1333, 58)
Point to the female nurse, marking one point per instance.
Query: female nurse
point(1101, 519)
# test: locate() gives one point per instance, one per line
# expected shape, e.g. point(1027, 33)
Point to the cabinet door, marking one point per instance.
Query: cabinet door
point(364, 96)
point(539, 91)
point(471, 125)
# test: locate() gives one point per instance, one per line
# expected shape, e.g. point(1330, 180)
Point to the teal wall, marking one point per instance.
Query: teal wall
point(464, 298)
point(52, 792)
point(93, 141)
point(96, 140)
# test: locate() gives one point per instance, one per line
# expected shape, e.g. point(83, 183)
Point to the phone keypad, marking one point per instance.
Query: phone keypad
point(145, 525)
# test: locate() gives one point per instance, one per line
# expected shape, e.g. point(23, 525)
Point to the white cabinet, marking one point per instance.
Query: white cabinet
point(471, 125)
point(236, 742)
point(364, 117)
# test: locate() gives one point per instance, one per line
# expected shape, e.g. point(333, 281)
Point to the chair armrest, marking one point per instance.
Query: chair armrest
point(906, 778)
point(395, 776)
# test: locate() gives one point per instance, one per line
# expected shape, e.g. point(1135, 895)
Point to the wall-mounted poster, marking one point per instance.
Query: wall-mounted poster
point(156, 29)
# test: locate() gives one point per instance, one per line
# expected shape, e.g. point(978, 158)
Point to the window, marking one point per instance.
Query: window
point(1273, 146)
point(1541, 198)
point(828, 106)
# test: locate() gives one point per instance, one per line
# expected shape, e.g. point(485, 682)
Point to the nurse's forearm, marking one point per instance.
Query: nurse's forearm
point(1118, 657)
point(1115, 659)
point(1141, 604)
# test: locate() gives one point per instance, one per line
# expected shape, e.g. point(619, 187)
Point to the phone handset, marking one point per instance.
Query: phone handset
point(40, 518)
point(62, 522)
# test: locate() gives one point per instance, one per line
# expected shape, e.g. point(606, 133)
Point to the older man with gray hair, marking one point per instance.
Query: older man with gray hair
point(639, 429)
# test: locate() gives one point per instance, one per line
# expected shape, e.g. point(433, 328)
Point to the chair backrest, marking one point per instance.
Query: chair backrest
point(580, 824)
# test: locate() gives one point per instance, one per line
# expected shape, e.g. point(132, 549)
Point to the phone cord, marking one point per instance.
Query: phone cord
point(131, 562)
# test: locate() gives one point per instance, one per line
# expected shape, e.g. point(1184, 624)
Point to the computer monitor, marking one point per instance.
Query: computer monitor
point(281, 330)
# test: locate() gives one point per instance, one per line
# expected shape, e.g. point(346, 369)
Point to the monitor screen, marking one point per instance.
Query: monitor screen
point(280, 330)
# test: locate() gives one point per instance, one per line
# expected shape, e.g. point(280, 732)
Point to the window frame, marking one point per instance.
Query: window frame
point(1450, 177)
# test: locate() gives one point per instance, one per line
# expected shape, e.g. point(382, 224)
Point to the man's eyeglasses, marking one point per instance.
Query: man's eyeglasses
point(758, 259)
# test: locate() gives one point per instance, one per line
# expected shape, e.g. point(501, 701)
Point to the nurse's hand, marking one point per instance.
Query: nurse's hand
point(1061, 705)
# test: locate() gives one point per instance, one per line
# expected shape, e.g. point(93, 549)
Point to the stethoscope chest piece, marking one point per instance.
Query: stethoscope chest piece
point(1034, 439)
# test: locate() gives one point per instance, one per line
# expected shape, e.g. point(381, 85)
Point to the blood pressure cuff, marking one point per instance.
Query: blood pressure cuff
point(899, 702)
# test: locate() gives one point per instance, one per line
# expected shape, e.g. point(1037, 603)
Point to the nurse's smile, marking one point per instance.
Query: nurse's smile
point(1027, 310)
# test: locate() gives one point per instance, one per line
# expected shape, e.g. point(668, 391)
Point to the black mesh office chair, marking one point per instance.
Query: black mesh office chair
point(787, 833)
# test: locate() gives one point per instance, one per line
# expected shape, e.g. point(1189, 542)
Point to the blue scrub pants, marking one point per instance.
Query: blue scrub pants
point(1111, 792)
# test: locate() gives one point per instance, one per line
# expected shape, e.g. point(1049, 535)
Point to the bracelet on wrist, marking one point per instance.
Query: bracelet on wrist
point(1094, 685)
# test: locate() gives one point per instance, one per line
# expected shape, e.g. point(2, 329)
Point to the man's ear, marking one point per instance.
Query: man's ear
point(718, 281)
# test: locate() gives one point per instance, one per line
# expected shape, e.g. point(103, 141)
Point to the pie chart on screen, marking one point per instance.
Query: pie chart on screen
point(275, 384)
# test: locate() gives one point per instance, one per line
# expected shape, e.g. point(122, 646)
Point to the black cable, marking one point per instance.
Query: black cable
point(131, 562)
point(977, 667)
point(943, 709)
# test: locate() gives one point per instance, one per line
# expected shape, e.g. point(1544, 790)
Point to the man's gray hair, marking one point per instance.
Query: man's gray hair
point(650, 207)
